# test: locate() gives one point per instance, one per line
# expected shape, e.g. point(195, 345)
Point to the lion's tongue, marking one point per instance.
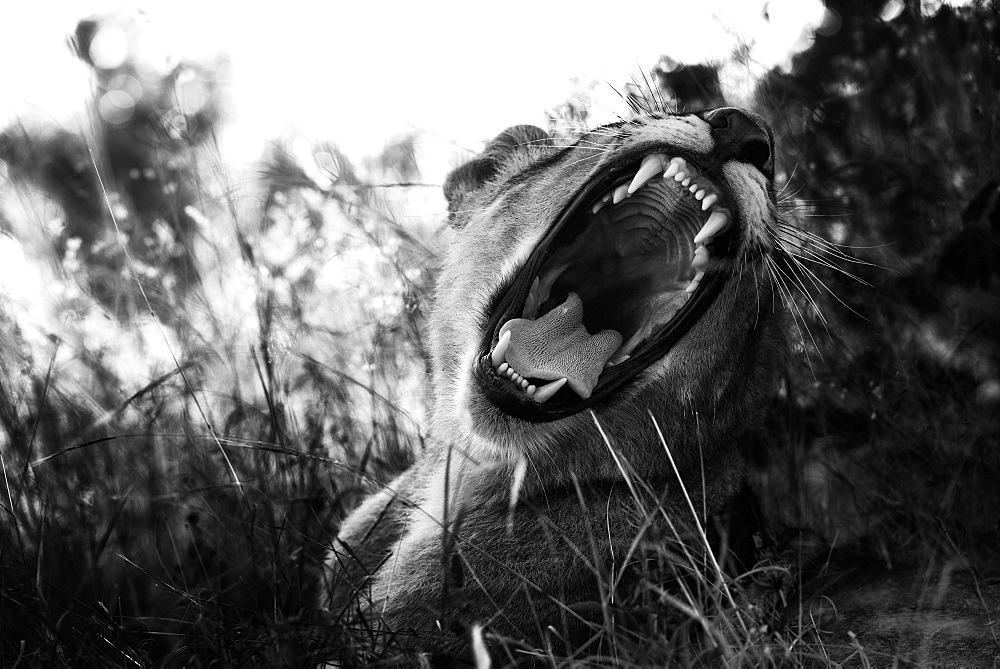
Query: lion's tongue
point(557, 345)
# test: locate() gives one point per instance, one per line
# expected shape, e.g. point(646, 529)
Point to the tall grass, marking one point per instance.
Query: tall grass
point(179, 438)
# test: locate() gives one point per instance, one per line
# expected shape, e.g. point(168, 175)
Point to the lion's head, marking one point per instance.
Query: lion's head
point(626, 272)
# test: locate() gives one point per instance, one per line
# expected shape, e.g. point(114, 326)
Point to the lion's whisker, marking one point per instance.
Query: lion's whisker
point(793, 307)
point(813, 256)
point(796, 278)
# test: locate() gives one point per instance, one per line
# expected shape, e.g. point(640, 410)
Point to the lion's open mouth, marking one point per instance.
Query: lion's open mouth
point(624, 272)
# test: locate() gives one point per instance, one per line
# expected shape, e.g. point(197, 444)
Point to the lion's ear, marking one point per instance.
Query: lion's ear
point(470, 176)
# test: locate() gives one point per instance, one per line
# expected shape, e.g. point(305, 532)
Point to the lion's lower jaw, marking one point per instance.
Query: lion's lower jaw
point(698, 398)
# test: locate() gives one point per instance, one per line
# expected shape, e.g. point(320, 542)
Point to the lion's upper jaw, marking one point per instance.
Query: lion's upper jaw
point(670, 330)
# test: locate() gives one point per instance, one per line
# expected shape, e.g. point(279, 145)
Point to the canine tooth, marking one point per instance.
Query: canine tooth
point(620, 194)
point(651, 165)
point(616, 359)
point(544, 393)
point(530, 308)
point(632, 342)
point(502, 369)
point(716, 223)
point(672, 169)
point(707, 203)
point(499, 353)
point(694, 282)
point(531, 303)
point(700, 261)
point(600, 204)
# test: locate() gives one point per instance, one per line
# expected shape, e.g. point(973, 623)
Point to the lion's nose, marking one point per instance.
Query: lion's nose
point(742, 136)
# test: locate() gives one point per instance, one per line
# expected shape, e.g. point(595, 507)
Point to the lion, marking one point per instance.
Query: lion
point(606, 325)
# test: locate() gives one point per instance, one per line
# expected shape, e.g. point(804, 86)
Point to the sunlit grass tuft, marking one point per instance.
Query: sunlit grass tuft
point(178, 447)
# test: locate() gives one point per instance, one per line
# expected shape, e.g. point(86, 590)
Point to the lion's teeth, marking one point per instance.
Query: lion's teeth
point(502, 369)
point(694, 188)
point(531, 303)
point(707, 203)
point(600, 205)
point(675, 166)
point(620, 194)
point(715, 224)
point(544, 393)
point(530, 390)
point(499, 354)
point(700, 261)
point(694, 282)
point(651, 165)
point(616, 359)
point(633, 342)
point(687, 174)
point(700, 195)
point(524, 383)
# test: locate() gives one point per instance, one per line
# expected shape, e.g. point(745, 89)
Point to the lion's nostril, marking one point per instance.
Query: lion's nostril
point(741, 136)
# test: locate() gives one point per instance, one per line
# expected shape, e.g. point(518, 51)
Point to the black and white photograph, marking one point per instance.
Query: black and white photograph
point(558, 335)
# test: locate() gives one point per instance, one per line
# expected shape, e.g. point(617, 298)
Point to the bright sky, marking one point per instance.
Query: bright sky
point(358, 72)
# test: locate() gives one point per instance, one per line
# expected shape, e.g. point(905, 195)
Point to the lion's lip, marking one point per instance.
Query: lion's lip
point(637, 251)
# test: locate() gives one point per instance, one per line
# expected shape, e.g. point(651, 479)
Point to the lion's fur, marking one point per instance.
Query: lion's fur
point(502, 521)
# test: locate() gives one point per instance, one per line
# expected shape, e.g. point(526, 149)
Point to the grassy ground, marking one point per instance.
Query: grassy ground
point(201, 372)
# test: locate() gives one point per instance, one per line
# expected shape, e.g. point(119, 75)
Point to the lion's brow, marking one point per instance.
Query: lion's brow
point(546, 162)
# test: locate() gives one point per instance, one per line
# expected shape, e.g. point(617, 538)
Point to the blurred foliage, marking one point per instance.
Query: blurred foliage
point(200, 372)
point(888, 132)
point(280, 345)
point(149, 117)
point(690, 87)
